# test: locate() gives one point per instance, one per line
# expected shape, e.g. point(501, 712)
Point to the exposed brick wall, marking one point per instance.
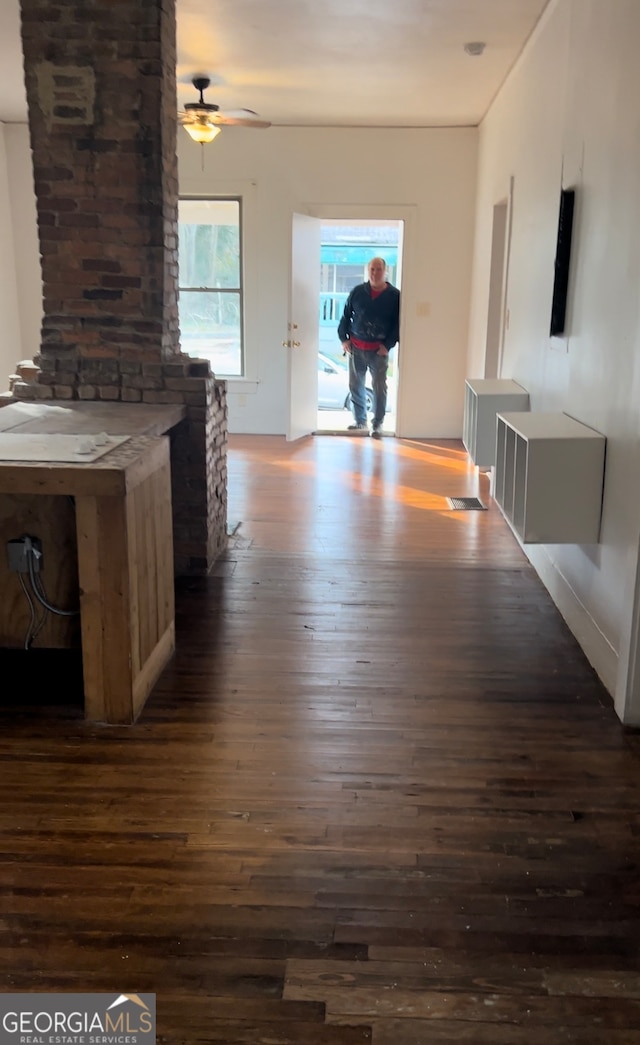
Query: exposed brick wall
point(100, 77)
point(200, 512)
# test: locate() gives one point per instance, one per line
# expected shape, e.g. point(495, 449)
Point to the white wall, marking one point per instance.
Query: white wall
point(569, 114)
point(10, 339)
point(426, 177)
point(28, 272)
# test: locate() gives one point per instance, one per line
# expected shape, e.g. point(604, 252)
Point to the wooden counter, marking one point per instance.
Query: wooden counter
point(106, 530)
point(60, 418)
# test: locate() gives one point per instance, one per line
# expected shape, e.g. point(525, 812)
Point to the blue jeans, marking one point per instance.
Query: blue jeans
point(359, 362)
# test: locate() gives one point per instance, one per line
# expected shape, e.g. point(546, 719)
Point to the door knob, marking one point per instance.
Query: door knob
point(296, 344)
point(286, 344)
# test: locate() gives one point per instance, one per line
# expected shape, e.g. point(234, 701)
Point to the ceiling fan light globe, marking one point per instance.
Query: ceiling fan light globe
point(202, 132)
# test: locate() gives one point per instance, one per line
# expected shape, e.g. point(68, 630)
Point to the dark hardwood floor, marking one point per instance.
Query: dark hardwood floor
point(378, 796)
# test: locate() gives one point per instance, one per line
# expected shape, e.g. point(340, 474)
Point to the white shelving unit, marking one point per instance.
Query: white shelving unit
point(484, 398)
point(548, 478)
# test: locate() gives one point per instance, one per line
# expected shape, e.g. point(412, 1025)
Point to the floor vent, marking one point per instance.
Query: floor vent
point(466, 504)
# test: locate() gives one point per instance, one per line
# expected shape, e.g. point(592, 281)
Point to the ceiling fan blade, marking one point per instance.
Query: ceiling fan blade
point(202, 112)
point(240, 112)
point(240, 121)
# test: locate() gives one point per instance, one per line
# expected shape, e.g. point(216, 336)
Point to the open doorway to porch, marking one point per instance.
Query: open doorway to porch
point(347, 246)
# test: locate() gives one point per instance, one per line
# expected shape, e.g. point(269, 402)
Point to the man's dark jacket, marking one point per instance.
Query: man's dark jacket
point(371, 319)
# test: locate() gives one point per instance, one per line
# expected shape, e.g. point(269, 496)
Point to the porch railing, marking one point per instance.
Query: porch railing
point(331, 308)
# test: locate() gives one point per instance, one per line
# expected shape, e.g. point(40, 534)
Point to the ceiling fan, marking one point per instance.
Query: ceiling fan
point(203, 120)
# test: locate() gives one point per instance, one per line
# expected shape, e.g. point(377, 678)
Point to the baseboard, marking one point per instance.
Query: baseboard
point(595, 646)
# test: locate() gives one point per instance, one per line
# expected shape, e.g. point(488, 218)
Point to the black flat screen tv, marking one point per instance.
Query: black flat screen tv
point(563, 257)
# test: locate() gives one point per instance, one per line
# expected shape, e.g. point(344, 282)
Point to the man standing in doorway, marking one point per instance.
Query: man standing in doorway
point(368, 330)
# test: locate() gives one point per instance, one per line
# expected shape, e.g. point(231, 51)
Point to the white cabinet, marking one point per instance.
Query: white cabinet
point(548, 478)
point(484, 398)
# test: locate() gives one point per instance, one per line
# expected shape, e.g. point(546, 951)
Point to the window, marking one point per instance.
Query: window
point(210, 302)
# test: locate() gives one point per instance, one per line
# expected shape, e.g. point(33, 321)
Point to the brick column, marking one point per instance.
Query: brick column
point(100, 77)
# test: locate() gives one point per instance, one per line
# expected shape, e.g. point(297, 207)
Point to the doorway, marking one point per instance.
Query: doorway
point(498, 277)
point(304, 295)
point(346, 247)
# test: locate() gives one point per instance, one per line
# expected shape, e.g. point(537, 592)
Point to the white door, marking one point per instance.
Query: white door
point(302, 334)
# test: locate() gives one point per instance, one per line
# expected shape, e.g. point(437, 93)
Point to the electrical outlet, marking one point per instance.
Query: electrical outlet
point(23, 550)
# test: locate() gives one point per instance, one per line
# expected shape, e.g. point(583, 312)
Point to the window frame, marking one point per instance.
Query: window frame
point(237, 291)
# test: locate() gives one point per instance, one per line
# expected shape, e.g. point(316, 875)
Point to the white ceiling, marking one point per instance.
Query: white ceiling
point(331, 62)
